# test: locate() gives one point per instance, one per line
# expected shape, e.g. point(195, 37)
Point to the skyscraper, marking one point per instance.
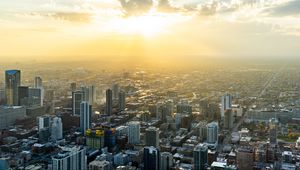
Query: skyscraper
point(273, 131)
point(12, 82)
point(226, 103)
point(200, 157)
point(122, 102)
point(44, 122)
point(115, 89)
point(166, 161)
point(38, 83)
point(134, 132)
point(151, 158)
point(212, 133)
point(85, 116)
point(228, 119)
point(73, 86)
point(89, 94)
point(56, 129)
point(23, 92)
point(35, 96)
point(109, 101)
point(77, 98)
point(152, 137)
point(70, 158)
point(184, 107)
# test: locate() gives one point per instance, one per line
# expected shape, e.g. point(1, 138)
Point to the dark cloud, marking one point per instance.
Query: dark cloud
point(165, 6)
point(208, 9)
point(136, 7)
point(286, 9)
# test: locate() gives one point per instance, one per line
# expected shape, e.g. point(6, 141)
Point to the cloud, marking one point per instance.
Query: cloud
point(286, 9)
point(65, 16)
point(136, 7)
point(72, 16)
point(208, 9)
point(165, 6)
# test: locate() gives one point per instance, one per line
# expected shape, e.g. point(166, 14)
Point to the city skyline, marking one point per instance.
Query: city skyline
point(150, 85)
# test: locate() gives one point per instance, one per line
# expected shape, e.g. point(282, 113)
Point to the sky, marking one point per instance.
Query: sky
point(152, 29)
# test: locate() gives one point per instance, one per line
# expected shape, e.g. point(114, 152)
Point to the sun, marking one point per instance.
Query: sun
point(147, 25)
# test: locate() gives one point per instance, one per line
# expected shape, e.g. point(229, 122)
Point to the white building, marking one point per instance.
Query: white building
point(226, 103)
point(56, 129)
point(134, 132)
point(85, 116)
point(44, 122)
point(70, 158)
point(298, 143)
point(212, 133)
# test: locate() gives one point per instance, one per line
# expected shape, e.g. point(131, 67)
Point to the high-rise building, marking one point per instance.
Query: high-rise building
point(151, 158)
point(298, 143)
point(228, 119)
point(152, 137)
point(95, 138)
point(122, 102)
point(23, 96)
point(162, 111)
point(12, 82)
point(184, 107)
point(134, 132)
point(77, 98)
point(200, 157)
point(115, 89)
point(170, 106)
point(35, 96)
point(44, 122)
point(73, 87)
point(245, 158)
point(110, 138)
point(2, 97)
point(212, 133)
point(9, 115)
point(202, 131)
point(70, 158)
point(226, 103)
point(109, 101)
point(273, 131)
point(38, 83)
point(89, 94)
point(166, 161)
point(56, 129)
point(178, 118)
point(85, 116)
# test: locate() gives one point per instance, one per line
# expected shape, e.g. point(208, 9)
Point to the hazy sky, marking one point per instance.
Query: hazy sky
point(133, 29)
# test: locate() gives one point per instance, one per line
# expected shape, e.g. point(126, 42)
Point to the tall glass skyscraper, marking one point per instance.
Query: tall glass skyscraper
point(151, 158)
point(109, 101)
point(85, 116)
point(200, 157)
point(12, 82)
